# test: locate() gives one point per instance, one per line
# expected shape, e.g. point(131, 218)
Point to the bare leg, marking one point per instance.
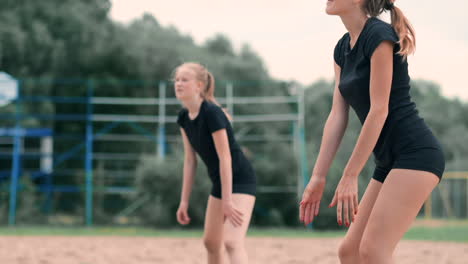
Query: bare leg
point(234, 239)
point(349, 248)
point(213, 232)
point(396, 207)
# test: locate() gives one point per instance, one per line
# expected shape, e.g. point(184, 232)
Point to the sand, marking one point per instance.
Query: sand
point(146, 250)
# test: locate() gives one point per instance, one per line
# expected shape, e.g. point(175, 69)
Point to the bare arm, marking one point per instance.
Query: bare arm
point(332, 135)
point(346, 197)
point(380, 86)
point(190, 167)
point(333, 131)
point(220, 139)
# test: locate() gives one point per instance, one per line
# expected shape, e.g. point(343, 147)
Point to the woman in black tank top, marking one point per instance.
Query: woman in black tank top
point(371, 76)
point(206, 131)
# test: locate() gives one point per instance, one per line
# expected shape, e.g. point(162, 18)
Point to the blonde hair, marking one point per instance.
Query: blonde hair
point(400, 23)
point(205, 77)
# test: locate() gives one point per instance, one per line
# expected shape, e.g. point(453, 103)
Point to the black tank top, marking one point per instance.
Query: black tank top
point(354, 84)
point(211, 118)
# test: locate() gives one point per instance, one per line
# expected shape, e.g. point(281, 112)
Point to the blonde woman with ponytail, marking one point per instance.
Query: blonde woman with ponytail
point(371, 76)
point(206, 130)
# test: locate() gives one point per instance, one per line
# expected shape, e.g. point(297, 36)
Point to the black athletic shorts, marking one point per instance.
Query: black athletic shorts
point(236, 188)
point(413, 147)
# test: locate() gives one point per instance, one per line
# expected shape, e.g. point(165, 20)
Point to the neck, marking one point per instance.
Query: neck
point(193, 104)
point(354, 23)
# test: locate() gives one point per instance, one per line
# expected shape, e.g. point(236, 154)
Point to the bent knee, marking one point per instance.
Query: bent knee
point(212, 245)
point(233, 244)
point(370, 253)
point(348, 249)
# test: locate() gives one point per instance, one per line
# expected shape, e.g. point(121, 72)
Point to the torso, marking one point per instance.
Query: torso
point(199, 132)
point(355, 64)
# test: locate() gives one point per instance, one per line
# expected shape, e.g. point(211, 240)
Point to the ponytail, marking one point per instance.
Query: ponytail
point(209, 93)
point(400, 23)
point(404, 30)
point(209, 89)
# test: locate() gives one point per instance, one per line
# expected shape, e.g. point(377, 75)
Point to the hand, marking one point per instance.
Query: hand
point(346, 199)
point(232, 214)
point(310, 203)
point(182, 214)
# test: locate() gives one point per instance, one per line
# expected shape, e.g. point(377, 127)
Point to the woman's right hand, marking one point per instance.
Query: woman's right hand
point(310, 204)
point(182, 214)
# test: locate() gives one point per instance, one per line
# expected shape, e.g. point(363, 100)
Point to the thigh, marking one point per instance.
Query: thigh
point(354, 234)
point(397, 205)
point(245, 204)
point(214, 220)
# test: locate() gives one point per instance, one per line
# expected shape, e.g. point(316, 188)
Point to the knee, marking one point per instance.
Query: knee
point(348, 250)
point(212, 245)
point(233, 244)
point(368, 253)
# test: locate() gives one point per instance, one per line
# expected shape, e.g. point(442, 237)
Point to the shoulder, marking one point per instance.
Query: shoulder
point(212, 108)
point(342, 39)
point(341, 42)
point(183, 112)
point(339, 49)
point(214, 116)
point(181, 116)
point(377, 32)
point(379, 29)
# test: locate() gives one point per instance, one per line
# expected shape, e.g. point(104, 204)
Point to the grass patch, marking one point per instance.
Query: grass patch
point(98, 231)
point(454, 232)
point(139, 231)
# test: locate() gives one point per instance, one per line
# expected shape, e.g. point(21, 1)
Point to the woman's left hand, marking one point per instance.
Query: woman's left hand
point(346, 199)
point(232, 214)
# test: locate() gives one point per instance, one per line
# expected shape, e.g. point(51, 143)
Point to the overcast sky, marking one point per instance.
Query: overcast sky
point(296, 40)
